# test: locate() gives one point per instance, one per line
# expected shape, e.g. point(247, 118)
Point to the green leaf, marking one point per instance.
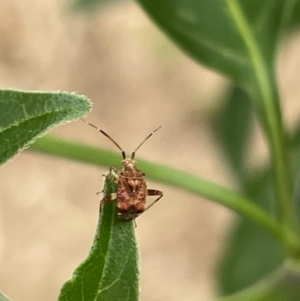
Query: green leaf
point(25, 116)
point(212, 32)
point(232, 126)
point(296, 16)
point(3, 298)
point(251, 253)
point(111, 270)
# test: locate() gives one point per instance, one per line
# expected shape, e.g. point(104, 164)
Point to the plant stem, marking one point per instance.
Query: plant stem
point(167, 175)
point(268, 104)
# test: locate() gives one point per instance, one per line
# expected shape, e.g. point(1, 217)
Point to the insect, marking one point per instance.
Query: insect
point(131, 182)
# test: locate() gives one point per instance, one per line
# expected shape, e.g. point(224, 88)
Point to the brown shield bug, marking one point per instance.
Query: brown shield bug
point(131, 182)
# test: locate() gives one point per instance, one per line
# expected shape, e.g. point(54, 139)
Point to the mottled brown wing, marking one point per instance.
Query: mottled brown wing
point(131, 196)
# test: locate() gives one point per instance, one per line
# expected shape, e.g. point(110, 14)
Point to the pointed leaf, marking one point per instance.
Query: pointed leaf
point(111, 271)
point(25, 116)
point(212, 32)
point(252, 254)
point(232, 127)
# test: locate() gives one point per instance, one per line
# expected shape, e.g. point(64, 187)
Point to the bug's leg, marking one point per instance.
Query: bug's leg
point(104, 176)
point(113, 175)
point(152, 192)
point(108, 198)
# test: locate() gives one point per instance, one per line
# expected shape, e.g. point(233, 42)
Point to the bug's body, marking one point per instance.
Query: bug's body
point(132, 191)
point(131, 182)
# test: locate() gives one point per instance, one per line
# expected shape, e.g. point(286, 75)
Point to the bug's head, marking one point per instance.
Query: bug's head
point(129, 163)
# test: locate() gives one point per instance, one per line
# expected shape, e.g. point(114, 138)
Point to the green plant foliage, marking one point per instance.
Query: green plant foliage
point(251, 254)
point(3, 298)
point(211, 32)
point(240, 40)
point(296, 15)
point(249, 249)
point(232, 127)
point(110, 272)
point(25, 116)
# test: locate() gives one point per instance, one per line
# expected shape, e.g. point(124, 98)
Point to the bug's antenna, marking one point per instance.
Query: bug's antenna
point(111, 139)
point(133, 153)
